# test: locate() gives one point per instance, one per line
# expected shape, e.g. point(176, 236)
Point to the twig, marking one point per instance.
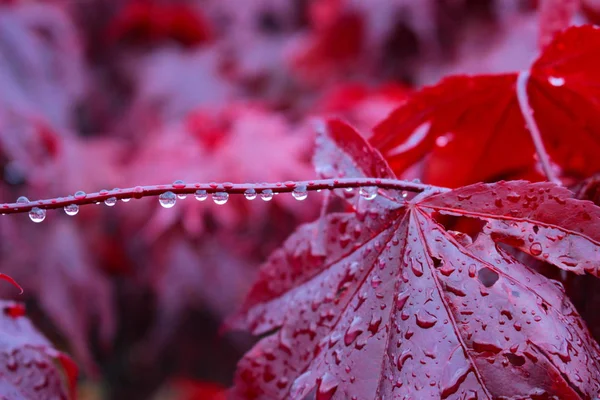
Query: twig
point(139, 192)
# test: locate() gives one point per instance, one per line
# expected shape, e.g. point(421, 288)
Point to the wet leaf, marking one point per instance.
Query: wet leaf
point(468, 129)
point(30, 368)
point(409, 308)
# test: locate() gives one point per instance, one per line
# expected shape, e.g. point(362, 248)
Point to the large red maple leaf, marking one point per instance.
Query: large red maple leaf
point(399, 306)
point(473, 128)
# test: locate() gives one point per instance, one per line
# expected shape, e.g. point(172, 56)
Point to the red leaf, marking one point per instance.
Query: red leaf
point(472, 129)
point(150, 22)
point(11, 281)
point(62, 276)
point(28, 366)
point(409, 308)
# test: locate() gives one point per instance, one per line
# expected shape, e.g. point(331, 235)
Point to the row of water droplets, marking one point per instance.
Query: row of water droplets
point(38, 215)
point(168, 198)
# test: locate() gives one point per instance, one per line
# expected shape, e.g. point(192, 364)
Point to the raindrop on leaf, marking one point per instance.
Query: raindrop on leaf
point(535, 249)
point(368, 192)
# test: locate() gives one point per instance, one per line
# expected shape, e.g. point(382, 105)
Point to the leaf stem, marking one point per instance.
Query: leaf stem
point(139, 192)
point(532, 127)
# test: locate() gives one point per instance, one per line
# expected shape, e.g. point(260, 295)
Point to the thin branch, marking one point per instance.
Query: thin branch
point(527, 112)
point(139, 192)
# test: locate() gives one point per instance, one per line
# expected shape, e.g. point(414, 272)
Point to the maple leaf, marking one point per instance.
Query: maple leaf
point(445, 124)
point(30, 368)
point(70, 289)
point(398, 305)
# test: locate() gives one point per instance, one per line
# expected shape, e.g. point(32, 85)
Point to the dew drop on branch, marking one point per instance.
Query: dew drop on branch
point(71, 209)
point(22, 200)
point(126, 200)
point(111, 201)
point(300, 193)
point(80, 195)
point(201, 195)
point(179, 184)
point(167, 199)
point(220, 198)
point(37, 215)
point(182, 196)
point(368, 192)
point(266, 195)
point(250, 194)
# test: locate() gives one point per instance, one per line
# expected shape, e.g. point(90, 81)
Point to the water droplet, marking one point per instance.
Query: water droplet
point(80, 194)
point(348, 189)
point(401, 300)
point(327, 387)
point(353, 331)
point(535, 249)
point(126, 199)
point(402, 358)
point(250, 194)
point(71, 209)
point(201, 195)
point(220, 198)
point(513, 196)
point(111, 201)
point(300, 193)
point(182, 196)
point(375, 281)
point(167, 199)
point(22, 200)
point(555, 81)
point(266, 195)
point(375, 324)
point(404, 194)
point(443, 140)
point(37, 215)
point(179, 184)
point(487, 276)
point(368, 192)
point(425, 320)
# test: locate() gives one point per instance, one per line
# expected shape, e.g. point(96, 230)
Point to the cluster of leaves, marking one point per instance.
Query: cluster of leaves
point(446, 293)
point(442, 295)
